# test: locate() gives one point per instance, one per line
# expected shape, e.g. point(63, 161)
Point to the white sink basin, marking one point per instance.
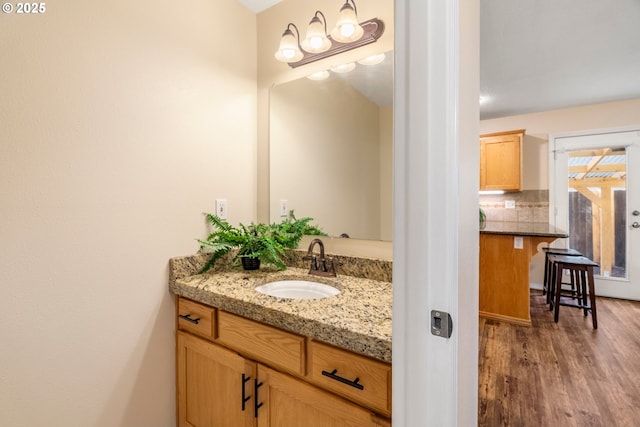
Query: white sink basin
point(298, 289)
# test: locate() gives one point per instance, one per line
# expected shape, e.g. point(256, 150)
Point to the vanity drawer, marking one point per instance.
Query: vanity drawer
point(355, 377)
point(264, 343)
point(196, 318)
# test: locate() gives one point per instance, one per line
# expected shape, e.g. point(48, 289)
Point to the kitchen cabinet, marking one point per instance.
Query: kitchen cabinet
point(246, 373)
point(501, 161)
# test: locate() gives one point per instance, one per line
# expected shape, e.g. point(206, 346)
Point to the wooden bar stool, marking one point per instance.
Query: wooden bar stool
point(582, 269)
point(546, 282)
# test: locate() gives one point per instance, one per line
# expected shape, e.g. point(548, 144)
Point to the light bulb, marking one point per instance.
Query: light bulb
point(372, 59)
point(319, 75)
point(347, 30)
point(344, 68)
point(315, 42)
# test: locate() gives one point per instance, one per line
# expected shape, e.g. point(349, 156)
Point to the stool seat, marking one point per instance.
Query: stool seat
point(547, 265)
point(577, 260)
point(562, 251)
point(581, 268)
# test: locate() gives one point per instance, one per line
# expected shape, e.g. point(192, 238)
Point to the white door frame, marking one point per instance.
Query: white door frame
point(611, 287)
point(436, 169)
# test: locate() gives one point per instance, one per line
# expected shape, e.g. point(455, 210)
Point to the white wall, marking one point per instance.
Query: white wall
point(120, 123)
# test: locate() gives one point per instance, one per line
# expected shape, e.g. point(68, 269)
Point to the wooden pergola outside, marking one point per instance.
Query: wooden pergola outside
point(595, 174)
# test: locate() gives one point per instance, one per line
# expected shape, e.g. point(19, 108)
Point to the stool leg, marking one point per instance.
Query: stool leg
point(583, 289)
point(552, 280)
point(558, 289)
point(592, 297)
point(545, 284)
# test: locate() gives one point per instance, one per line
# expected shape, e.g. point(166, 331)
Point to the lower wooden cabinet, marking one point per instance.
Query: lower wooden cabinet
point(210, 384)
point(223, 379)
point(288, 402)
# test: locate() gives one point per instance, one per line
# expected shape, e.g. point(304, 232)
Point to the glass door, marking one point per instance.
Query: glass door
point(595, 187)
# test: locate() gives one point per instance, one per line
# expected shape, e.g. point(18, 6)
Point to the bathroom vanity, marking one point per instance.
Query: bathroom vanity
point(249, 359)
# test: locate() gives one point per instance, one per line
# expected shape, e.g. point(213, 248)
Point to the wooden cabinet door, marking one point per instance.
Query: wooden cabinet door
point(288, 402)
point(210, 385)
point(501, 161)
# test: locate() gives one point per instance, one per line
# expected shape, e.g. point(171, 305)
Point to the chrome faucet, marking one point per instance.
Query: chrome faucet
point(319, 267)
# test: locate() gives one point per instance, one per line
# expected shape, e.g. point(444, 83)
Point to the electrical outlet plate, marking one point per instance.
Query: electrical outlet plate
point(221, 208)
point(518, 242)
point(509, 204)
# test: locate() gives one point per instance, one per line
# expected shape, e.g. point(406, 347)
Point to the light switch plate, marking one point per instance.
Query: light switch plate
point(284, 207)
point(221, 208)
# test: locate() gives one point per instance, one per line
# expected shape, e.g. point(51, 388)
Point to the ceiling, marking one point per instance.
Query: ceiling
point(549, 54)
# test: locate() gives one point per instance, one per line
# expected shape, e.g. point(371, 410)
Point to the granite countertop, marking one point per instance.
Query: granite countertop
point(358, 319)
point(535, 229)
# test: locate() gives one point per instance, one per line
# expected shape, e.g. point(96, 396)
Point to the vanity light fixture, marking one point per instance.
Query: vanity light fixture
point(347, 28)
point(347, 35)
point(289, 49)
point(372, 59)
point(484, 99)
point(316, 40)
point(344, 68)
point(319, 75)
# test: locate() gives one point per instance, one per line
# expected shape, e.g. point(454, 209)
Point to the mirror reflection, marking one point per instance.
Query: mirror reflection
point(331, 147)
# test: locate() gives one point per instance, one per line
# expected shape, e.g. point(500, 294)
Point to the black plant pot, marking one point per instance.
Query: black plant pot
point(249, 263)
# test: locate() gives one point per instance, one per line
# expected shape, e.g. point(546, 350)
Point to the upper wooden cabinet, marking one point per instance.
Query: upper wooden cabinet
point(501, 161)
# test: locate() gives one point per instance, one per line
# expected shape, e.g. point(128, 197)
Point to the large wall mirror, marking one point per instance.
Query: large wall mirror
point(331, 148)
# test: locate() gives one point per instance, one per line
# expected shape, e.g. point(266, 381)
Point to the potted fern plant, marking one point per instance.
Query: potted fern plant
point(483, 219)
point(254, 243)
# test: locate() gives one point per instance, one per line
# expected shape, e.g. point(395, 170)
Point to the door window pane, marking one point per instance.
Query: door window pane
point(597, 207)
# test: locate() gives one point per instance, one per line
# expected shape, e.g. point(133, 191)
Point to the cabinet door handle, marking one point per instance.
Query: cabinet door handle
point(256, 405)
point(188, 318)
point(245, 398)
point(355, 383)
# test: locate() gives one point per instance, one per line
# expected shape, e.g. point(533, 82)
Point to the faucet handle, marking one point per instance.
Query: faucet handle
point(328, 266)
point(313, 259)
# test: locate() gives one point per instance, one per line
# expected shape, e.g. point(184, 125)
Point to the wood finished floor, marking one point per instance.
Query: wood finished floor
point(563, 374)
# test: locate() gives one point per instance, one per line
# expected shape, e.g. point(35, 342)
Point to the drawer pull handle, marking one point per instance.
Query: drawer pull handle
point(245, 398)
point(355, 383)
point(188, 318)
point(256, 405)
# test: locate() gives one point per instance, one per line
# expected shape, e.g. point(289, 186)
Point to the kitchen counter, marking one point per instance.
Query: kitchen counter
point(506, 249)
point(358, 319)
point(523, 229)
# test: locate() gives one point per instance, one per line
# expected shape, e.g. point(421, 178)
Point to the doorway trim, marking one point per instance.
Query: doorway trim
point(436, 170)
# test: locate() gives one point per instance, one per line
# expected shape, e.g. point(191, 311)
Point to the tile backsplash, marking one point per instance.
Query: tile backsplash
point(530, 206)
